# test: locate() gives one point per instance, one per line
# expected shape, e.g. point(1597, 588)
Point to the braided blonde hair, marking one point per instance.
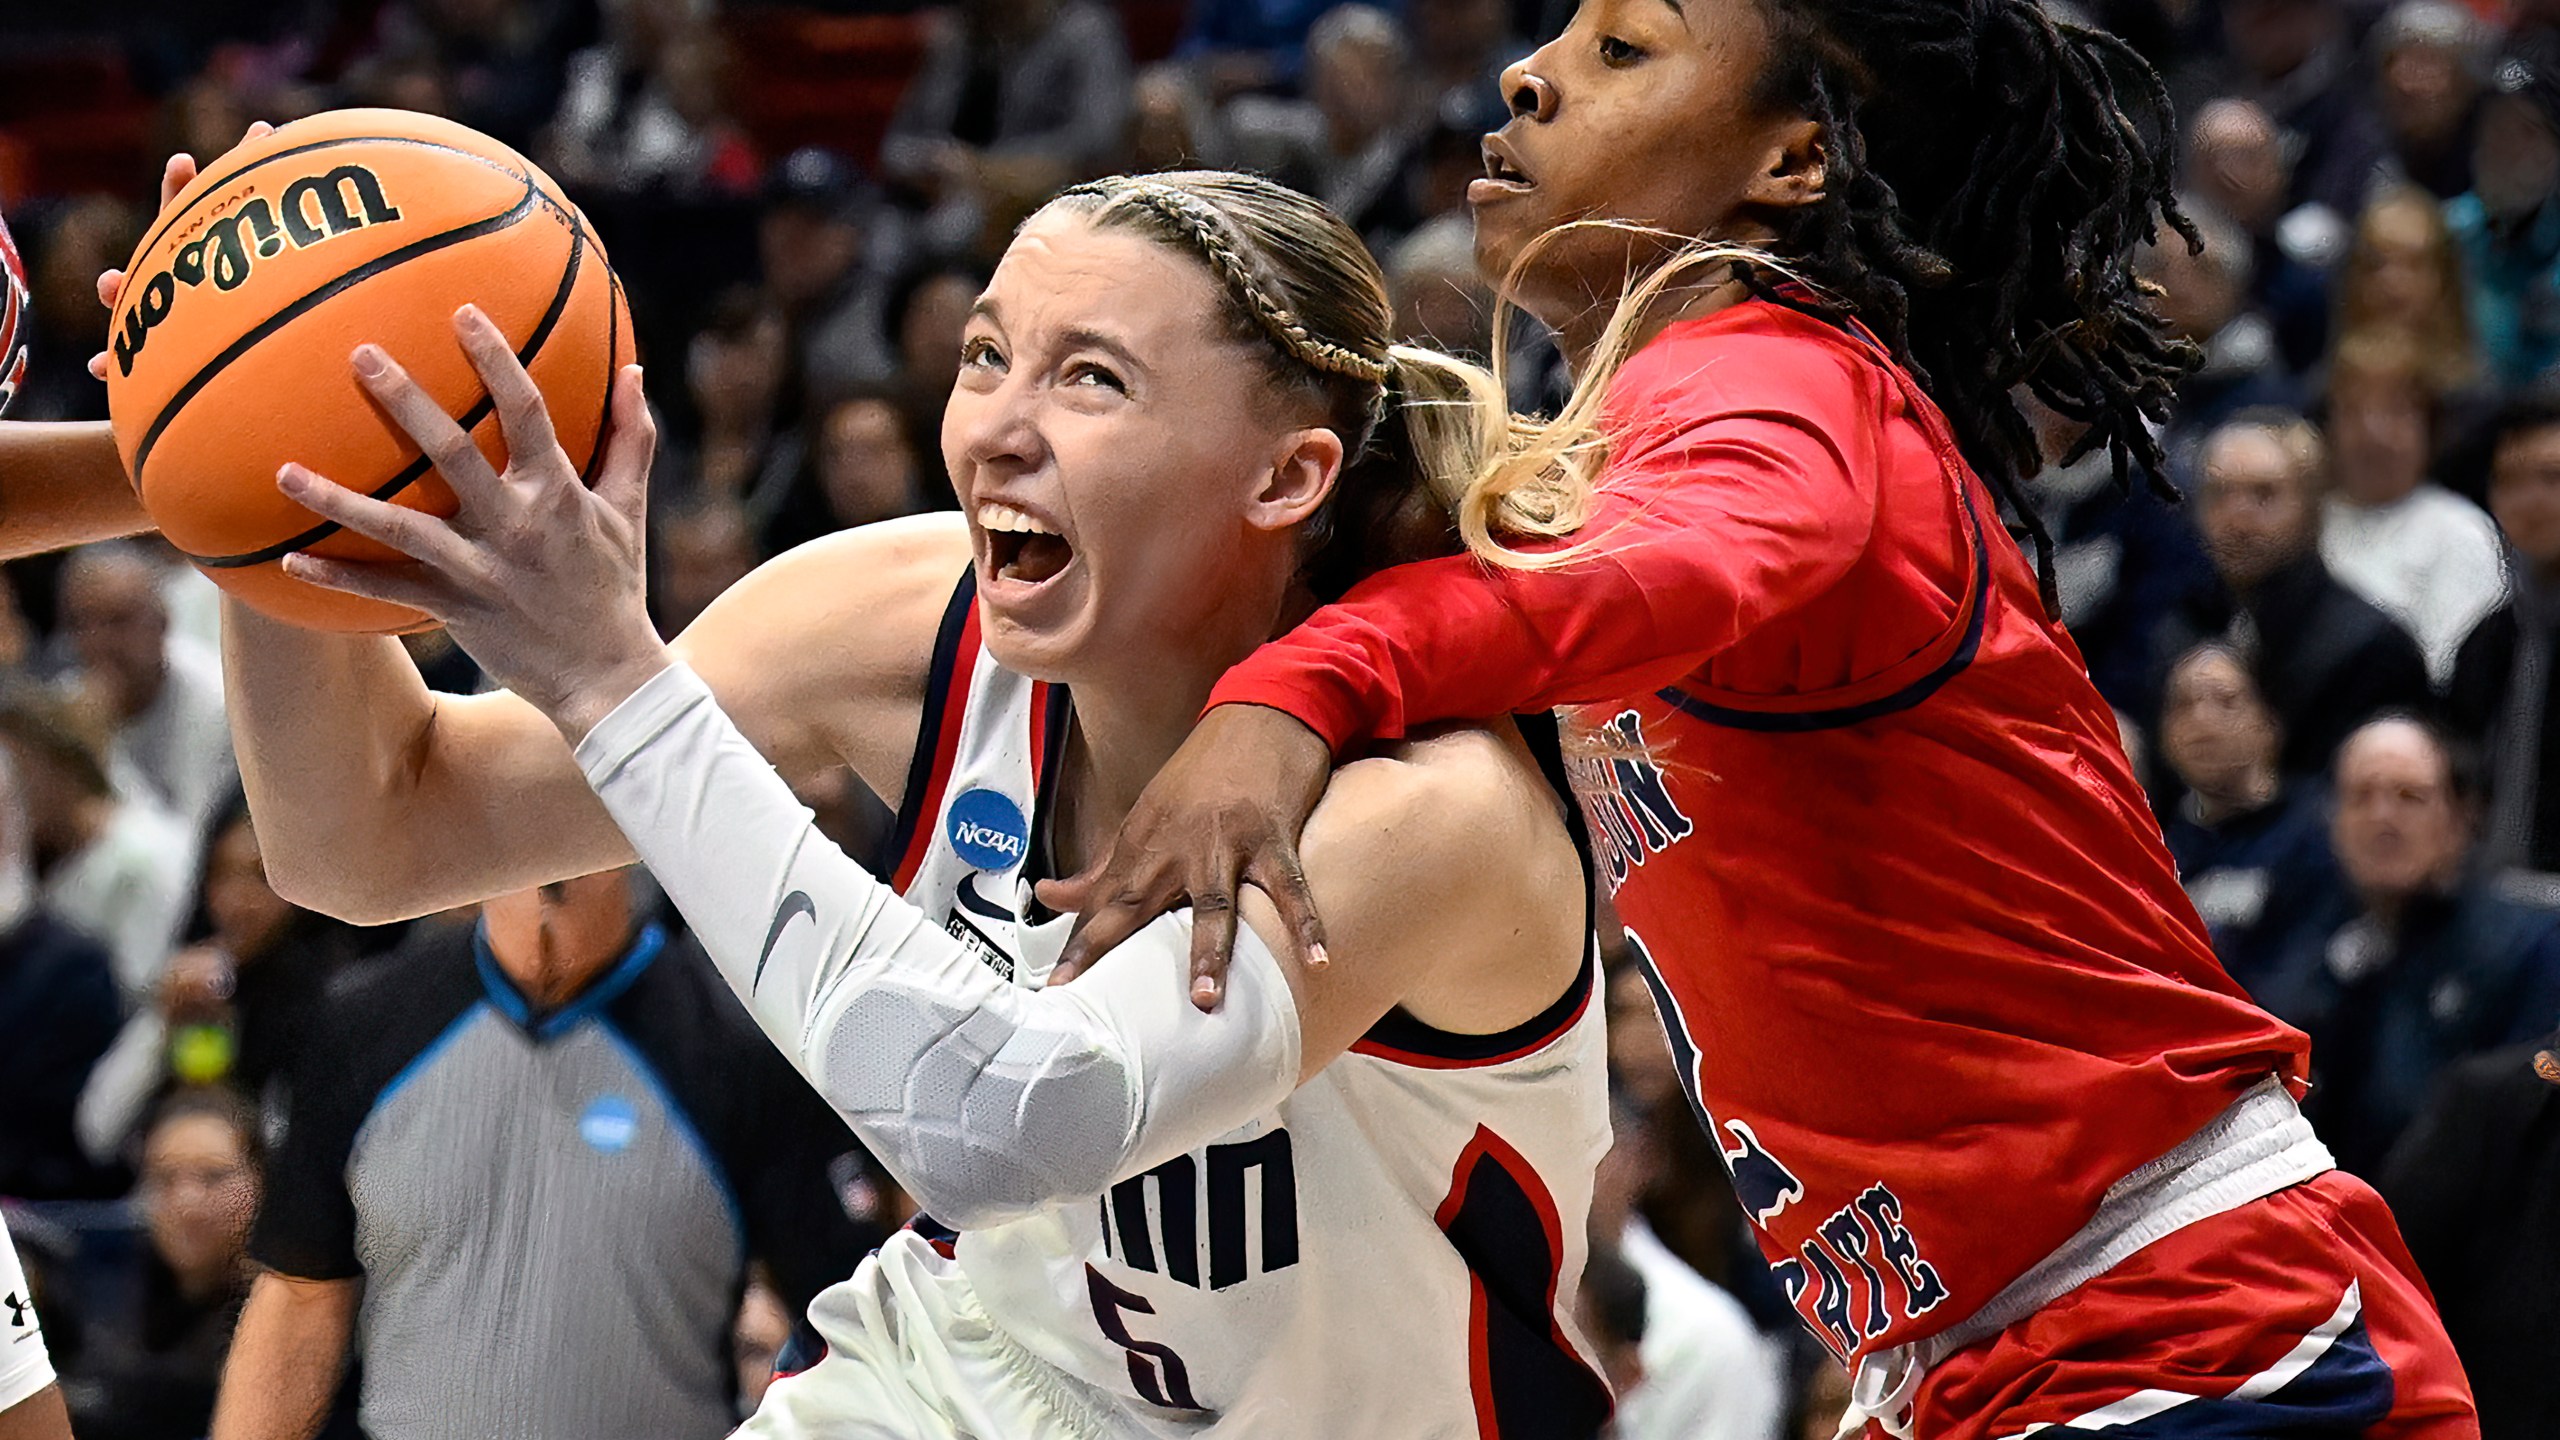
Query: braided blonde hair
point(1419, 428)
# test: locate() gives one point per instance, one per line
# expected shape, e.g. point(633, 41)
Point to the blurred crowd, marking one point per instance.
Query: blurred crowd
point(2333, 653)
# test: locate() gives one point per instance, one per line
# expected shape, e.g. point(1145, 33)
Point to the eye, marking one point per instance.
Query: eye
point(980, 353)
point(1089, 373)
point(1617, 53)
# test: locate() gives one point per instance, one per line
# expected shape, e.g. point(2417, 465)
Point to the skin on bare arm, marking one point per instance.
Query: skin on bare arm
point(64, 484)
point(40, 1416)
point(540, 579)
point(377, 799)
point(286, 1358)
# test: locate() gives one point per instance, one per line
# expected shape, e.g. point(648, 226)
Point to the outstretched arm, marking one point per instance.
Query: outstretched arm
point(378, 800)
point(1703, 533)
point(989, 1101)
point(62, 485)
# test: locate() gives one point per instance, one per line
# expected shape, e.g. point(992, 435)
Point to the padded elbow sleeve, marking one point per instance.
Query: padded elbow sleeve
point(987, 1101)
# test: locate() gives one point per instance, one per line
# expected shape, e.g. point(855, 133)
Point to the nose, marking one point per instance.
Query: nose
point(999, 429)
point(1530, 95)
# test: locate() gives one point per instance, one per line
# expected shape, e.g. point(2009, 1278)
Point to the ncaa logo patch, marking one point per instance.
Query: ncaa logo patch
point(610, 1125)
point(987, 830)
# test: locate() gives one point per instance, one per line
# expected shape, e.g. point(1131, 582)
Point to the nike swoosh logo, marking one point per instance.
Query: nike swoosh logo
point(795, 904)
point(977, 904)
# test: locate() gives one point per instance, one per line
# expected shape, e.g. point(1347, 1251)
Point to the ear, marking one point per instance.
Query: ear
point(1303, 468)
point(1793, 170)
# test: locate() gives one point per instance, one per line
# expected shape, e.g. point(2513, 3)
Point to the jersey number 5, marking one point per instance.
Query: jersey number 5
point(1154, 1369)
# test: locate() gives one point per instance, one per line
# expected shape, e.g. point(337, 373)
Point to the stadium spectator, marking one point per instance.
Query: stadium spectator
point(169, 739)
point(703, 546)
point(2252, 847)
point(86, 235)
point(2509, 224)
point(2500, 699)
point(199, 1193)
point(829, 256)
point(2427, 64)
point(863, 467)
point(58, 1015)
point(2297, 62)
point(1172, 126)
point(559, 1104)
point(2426, 556)
point(2236, 167)
point(1699, 1369)
point(114, 867)
point(2122, 558)
point(735, 371)
point(646, 108)
point(1016, 98)
point(255, 967)
point(1348, 141)
point(495, 65)
point(1440, 300)
point(2475, 1185)
point(1242, 45)
point(2324, 658)
point(2204, 295)
point(761, 1335)
point(2403, 274)
point(2418, 961)
point(1459, 48)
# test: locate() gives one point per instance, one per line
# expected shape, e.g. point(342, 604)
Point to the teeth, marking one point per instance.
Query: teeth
point(995, 515)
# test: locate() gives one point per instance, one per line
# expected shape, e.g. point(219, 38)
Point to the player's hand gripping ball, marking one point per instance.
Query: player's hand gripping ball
point(228, 348)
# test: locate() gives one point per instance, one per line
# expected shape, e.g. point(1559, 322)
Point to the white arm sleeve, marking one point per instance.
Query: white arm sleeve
point(986, 1100)
point(25, 1369)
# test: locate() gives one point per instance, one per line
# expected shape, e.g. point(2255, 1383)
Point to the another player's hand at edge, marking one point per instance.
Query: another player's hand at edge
point(1225, 812)
point(538, 578)
point(176, 175)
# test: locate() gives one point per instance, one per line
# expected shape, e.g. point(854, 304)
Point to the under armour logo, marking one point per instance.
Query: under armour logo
point(22, 1312)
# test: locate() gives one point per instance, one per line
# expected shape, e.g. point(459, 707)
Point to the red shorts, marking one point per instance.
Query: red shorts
point(2299, 1315)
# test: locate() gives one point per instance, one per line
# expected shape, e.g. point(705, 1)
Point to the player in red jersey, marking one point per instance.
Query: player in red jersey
point(62, 484)
point(2016, 1146)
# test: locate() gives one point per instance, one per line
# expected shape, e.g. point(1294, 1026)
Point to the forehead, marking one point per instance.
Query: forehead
point(2246, 456)
point(2208, 672)
point(2534, 450)
point(1064, 271)
point(2391, 754)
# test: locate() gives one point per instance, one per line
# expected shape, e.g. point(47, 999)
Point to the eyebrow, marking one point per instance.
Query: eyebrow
point(1083, 337)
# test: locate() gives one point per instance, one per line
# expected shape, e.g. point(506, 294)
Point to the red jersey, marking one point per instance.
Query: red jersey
point(1927, 967)
point(15, 322)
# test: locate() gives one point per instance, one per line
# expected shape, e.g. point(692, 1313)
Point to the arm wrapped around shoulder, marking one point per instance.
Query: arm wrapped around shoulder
point(988, 1101)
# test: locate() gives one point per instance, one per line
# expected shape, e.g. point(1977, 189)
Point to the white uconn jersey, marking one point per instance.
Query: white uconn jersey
point(1392, 1251)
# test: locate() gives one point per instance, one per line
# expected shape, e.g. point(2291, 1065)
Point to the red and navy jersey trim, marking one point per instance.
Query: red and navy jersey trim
point(946, 703)
point(1401, 1038)
point(1793, 722)
point(1527, 1380)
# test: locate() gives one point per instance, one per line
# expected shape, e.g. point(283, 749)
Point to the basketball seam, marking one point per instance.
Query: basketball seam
point(614, 305)
point(469, 420)
point(510, 218)
point(168, 221)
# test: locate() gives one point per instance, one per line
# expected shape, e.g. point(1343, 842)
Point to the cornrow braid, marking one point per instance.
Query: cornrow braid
point(1206, 230)
point(1990, 171)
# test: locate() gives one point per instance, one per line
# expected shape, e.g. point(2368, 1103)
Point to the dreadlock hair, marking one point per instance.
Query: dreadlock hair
point(1989, 171)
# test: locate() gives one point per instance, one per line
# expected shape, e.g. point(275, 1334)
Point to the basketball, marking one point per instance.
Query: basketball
point(228, 349)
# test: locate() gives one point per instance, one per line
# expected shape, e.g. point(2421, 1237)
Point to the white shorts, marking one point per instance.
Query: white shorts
point(912, 1356)
point(25, 1369)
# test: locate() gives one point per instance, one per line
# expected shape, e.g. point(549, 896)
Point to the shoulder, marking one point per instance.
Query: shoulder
point(1755, 357)
point(824, 650)
point(1449, 856)
point(43, 944)
point(2458, 518)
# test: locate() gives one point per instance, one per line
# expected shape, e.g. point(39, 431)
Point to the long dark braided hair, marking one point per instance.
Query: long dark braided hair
point(1989, 171)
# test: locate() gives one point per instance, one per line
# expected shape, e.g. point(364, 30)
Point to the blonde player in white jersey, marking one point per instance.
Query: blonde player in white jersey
point(1348, 1202)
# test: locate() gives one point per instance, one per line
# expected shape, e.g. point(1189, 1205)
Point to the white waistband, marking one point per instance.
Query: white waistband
point(2252, 1150)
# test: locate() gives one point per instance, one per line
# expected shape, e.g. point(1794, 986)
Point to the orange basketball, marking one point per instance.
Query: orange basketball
point(228, 351)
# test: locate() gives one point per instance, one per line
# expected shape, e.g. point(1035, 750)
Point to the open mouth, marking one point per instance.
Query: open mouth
point(1502, 170)
point(1021, 548)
